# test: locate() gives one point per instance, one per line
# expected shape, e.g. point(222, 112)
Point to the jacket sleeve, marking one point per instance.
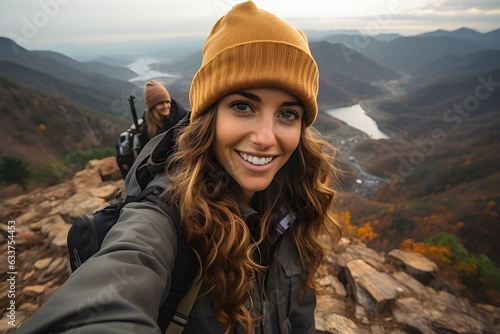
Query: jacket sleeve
point(119, 289)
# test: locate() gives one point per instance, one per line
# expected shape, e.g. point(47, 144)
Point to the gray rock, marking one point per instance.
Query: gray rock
point(108, 168)
point(87, 179)
point(106, 192)
point(368, 255)
point(332, 285)
point(414, 264)
point(360, 314)
point(329, 304)
point(425, 318)
point(60, 191)
point(411, 283)
point(336, 324)
point(372, 289)
point(55, 228)
point(455, 323)
point(79, 204)
point(410, 312)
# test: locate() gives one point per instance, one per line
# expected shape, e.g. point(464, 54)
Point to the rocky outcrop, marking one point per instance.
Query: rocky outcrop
point(390, 293)
point(363, 291)
point(415, 264)
point(42, 220)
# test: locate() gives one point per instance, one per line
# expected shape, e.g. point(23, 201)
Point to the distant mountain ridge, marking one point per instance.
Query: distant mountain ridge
point(456, 66)
point(42, 128)
point(346, 76)
point(90, 97)
point(9, 51)
point(121, 73)
point(408, 54)
point(487, 40)
point(96, 85)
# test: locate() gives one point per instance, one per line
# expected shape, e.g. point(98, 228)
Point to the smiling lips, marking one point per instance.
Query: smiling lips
point(256, 160)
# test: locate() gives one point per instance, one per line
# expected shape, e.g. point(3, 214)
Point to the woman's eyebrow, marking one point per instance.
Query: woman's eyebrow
point(258, 99)
point(248, 95)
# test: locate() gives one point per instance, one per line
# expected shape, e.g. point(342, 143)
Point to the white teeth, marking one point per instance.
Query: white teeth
point(256, 160)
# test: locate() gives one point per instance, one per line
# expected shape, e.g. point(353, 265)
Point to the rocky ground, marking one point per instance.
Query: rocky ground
point(365, 291)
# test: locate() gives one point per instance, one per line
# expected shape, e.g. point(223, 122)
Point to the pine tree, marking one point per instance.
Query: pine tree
point(14, 170)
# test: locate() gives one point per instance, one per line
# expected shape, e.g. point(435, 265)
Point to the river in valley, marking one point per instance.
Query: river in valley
point(357, 118)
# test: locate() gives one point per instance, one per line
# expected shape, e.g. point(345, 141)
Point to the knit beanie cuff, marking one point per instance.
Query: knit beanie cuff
point(257, 64)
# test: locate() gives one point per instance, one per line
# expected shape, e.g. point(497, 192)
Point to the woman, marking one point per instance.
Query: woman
point(253, 188)
point(162, 112)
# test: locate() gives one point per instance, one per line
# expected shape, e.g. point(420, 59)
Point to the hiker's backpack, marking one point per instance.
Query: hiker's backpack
point(87, 233)
point(128, 147)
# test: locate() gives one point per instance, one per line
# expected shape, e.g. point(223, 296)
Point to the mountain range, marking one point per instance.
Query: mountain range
point(409, 54)
point(42, 128)
point(436, 94)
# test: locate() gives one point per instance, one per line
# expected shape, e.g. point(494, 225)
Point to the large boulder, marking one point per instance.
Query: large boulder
point(425, 317)
point(87, 179)
point(336, 324)
point(360, 251)
point(414, 264)
point(79, 204)
point(108, 168)
point(372, 289)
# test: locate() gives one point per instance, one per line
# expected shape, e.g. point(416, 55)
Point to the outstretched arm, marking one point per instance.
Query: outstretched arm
point(119, 289)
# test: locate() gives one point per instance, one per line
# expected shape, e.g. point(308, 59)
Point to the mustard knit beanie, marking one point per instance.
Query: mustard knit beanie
point(251, 48)
point(155, 93)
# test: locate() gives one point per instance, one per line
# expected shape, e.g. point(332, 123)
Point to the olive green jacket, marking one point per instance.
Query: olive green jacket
point(120, 288)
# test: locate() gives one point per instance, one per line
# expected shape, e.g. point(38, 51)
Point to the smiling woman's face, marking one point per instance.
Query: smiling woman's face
point(256, 132)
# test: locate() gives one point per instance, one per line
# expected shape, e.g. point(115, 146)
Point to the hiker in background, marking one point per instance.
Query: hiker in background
point(253, 185)
point(162, 112)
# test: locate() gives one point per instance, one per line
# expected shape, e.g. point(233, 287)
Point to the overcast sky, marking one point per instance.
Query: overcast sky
point(45, 23)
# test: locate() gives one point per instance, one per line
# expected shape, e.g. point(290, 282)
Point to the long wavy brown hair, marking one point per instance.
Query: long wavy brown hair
point(209, 201)
point(154, 121)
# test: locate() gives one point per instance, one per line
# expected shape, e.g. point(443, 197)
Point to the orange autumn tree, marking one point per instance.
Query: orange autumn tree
point(450, 254)
point(364, 233)
point(437, 253)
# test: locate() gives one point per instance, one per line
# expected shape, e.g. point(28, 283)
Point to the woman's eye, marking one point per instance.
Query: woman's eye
point(240, 107)
point(289, 115)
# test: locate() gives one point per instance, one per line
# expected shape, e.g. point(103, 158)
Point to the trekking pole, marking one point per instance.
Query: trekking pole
point(137, 142)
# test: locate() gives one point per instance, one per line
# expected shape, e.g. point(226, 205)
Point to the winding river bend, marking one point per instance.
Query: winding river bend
point(357, 118)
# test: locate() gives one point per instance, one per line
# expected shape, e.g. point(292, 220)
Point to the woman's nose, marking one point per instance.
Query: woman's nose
point(263, 135)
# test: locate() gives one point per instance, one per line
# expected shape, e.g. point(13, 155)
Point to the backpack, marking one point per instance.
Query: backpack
point(87, 233)
point(128, 147)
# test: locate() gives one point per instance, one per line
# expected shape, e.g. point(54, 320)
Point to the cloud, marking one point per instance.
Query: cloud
point(50, 22)
point(452, 6)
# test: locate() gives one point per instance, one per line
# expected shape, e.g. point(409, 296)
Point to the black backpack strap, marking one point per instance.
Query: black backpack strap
point(185, 270)
point(186, 263)
point(156, 159)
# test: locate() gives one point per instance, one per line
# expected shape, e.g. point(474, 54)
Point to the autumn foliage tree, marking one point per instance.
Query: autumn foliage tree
point(364, 232)
point(448, 252)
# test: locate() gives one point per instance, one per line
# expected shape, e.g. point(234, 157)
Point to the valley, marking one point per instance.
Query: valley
point(437, 99)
